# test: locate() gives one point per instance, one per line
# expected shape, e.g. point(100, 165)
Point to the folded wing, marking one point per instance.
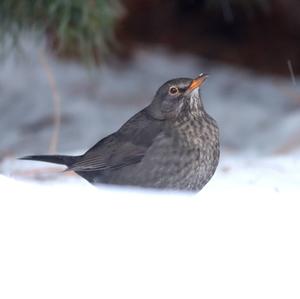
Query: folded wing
point(125, 147)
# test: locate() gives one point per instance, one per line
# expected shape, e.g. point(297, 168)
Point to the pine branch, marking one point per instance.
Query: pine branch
point(84, 29)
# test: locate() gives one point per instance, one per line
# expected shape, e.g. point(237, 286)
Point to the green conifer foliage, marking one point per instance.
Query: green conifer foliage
point(81, 28)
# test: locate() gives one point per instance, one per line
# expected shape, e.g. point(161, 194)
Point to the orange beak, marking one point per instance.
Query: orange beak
point(197, 82)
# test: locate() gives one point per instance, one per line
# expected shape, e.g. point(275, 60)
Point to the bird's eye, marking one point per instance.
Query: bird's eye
point(173, 90)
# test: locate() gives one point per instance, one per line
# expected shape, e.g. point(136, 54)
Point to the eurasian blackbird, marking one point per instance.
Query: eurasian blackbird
point(171, 144)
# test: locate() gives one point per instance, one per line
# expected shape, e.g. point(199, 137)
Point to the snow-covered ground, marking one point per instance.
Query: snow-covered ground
point(71, 240)
point(63, 238)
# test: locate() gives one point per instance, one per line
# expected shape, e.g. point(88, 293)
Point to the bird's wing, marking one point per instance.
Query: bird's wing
point(125, 147)
point(110, 155)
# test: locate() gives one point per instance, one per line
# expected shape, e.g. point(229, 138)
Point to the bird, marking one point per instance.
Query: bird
point(171, 144)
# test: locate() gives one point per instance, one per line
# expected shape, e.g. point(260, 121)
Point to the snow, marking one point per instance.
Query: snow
point(237, 238)
point(72, 240)
point(60, 237)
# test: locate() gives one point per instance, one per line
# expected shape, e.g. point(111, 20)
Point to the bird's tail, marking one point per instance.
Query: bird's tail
point(57, 159)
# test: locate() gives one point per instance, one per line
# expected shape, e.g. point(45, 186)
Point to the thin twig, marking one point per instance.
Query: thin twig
point(291, 70)
point(56, 103)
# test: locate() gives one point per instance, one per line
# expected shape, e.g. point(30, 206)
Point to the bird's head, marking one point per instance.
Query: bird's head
point(176, 94)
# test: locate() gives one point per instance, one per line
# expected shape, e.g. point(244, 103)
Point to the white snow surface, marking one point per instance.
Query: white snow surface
point(237, 238)
point(60, 237)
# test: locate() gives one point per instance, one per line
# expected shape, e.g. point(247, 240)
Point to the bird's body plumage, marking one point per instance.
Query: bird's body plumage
point(174, 147)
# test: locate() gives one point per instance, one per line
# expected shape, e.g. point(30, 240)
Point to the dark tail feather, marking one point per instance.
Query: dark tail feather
point(57, 159)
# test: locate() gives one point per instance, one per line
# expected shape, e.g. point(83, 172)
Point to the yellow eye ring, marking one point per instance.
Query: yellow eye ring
point(173, 90)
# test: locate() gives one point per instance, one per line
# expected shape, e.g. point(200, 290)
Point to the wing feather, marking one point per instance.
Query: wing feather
point(125, 147)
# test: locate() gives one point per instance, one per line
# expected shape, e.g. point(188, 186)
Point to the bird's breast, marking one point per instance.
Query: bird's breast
point(193, 133)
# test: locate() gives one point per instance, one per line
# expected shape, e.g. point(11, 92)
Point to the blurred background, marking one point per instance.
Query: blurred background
point(72, 72)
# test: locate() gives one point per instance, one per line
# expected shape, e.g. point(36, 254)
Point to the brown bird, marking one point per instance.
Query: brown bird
point(171, 144)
